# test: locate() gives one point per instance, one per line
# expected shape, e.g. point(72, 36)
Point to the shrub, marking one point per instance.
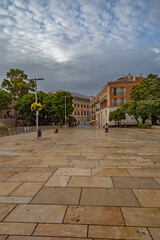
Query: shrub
point(144, 126)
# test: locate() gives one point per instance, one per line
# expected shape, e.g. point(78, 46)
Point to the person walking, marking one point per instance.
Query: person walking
point(106, 127)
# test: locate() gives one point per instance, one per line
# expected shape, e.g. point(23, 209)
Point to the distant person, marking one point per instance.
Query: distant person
point(106, 127)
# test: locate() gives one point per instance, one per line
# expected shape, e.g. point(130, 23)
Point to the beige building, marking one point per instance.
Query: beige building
point(112, 96)
point(81, 104)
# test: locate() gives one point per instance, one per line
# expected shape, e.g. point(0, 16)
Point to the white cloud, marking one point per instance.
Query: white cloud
point(61, 32)
point(156, 50)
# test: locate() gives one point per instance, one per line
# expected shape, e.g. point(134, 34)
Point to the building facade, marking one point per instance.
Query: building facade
point(81, 104)
point(8, 117)
point(112, 96)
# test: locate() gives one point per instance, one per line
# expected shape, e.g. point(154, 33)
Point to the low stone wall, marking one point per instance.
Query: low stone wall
point(4, 122)
point(7, 131)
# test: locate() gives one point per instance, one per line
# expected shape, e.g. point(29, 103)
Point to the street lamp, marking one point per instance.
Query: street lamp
point(125, 117)
point(35, 80)
point(65, 108)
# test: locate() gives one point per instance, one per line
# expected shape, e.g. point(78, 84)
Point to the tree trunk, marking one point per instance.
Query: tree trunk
point(154, 120)
point(137, 121)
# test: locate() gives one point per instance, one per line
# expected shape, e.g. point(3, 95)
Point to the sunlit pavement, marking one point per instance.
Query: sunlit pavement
point(84, 184)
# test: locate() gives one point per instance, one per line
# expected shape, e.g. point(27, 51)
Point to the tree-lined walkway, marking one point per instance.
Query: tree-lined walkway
point(80, 184)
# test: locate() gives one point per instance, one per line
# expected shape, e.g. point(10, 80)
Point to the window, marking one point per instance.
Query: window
point(115, 91)
point(81, 113)
point(75, 113)
point(75, 105)
point(84, 106)
point(122, 100)
point(87, 113)
point(115, 102)
point(122, 91)
point(78, 105)
point(78, 113)
point(84, 113)
point(87, 106)
point(81, 105)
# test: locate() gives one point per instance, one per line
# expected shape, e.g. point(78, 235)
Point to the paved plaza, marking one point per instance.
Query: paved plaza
point(80, 184)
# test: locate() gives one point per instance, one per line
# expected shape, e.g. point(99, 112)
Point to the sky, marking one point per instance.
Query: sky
point(79, 45)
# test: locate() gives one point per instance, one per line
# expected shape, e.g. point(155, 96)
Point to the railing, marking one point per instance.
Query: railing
point(8, 131)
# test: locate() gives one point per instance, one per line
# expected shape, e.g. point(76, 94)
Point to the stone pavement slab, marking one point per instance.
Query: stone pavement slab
point(158, 180)
point(17, 228)
point(155, 233)
point(126, 233)
point(5, 209)
point(145, 217)
point(61, 230)
point(148, 197)
point(102, 182)
point(15, 168)
point(94, 215)
point(15, 199)
point(27, 189)
point(51, 195)
point(107, 172)
point(148, 172)
point(73, 172)
point(108, 197)
point(42, 169)
point(5, 175)
point(54, 162)
point(30, 177)
point(58, 181)
point(111, 163)
point(84, 162)
point(135, 182)
point(3, 237)
point(35, 213)
point(7, 187)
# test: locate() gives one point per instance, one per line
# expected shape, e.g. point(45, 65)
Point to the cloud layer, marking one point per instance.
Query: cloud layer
point(79, 45)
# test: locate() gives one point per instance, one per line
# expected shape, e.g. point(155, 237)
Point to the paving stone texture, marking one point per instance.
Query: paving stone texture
point(80, 184)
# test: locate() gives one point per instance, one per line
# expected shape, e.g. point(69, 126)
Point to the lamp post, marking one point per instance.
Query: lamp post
point(65, 108)
point(125, 118)
point(37, 113)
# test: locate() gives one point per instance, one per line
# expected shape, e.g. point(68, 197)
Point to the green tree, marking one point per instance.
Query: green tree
point(146, 97)
point(143, 108)
point(23, 106)
point(17, 84)
point(113, 117)
point(130, 108)
point(148, 88)
point(54, 104)
point(149, 109)
point(5, 100)
point(117, 115)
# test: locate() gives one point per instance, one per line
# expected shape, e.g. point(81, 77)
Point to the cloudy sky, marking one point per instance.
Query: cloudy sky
point(79, 45)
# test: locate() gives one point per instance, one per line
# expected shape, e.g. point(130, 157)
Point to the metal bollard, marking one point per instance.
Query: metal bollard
point(39, 132)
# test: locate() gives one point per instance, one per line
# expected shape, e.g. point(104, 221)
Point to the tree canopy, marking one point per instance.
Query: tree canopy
point(117, 115)
point(146, 98)
point(23, 106)
point(148, 88)
point(17, 84)
point(5, 100)
point(55, 105)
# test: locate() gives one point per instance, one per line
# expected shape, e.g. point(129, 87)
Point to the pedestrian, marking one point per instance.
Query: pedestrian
point(106, 127)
